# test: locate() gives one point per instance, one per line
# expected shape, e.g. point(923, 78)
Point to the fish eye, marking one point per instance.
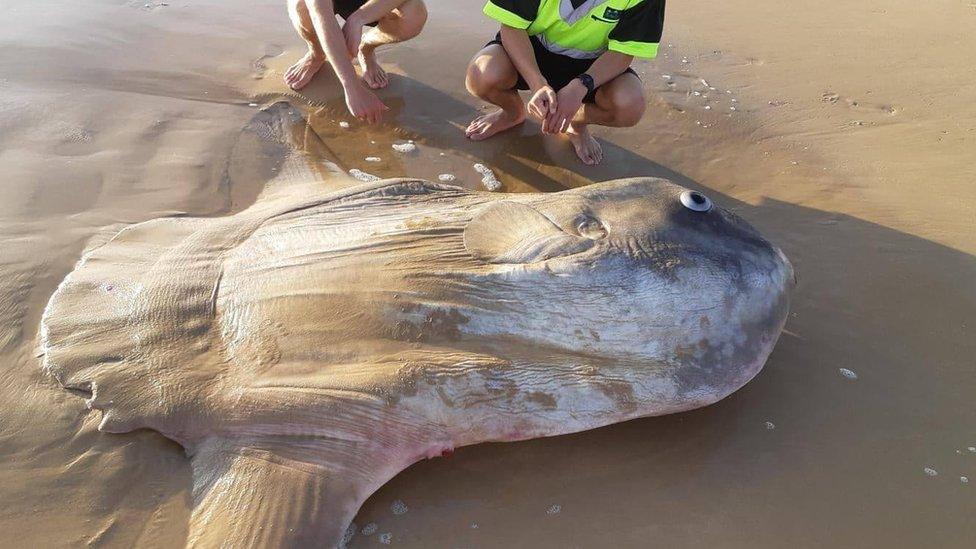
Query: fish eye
point(696, 201)
point(591, 228)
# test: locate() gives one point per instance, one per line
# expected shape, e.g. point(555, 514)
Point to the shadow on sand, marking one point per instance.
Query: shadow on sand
point(800, 440)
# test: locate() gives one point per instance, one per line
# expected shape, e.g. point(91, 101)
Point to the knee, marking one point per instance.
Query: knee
point(412, 18)
point(628, 106)
point(482, 76)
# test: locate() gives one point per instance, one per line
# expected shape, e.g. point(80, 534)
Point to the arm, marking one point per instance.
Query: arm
point(637, 34)
point(569, 99)
point(607, 67)
point(519, 49)
point(330, 36)
point(361, 102)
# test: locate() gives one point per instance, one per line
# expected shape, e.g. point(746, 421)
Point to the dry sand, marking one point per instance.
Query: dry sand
point(851, 144)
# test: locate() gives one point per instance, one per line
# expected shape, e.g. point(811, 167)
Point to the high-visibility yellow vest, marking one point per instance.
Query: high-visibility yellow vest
point(584, 29)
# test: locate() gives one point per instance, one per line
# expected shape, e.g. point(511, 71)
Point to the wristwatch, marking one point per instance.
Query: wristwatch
point(587, 81)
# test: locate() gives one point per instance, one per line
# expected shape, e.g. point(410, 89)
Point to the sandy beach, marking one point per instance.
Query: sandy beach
point(846, 134)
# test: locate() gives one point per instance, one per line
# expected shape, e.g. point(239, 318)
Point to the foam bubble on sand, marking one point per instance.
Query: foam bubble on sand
point(406, 148)
point(849, 374)
point(447, 177)
point(398, 507)
point(386, 538)
point(488, 178)
point(770, 425)
point(972, 449)
point(370, 529)
point(348, 535)
point(931, 472)
point(554, 509)
point(964, 480)
point(373, 159)
point(363, 176)
point(344, 125)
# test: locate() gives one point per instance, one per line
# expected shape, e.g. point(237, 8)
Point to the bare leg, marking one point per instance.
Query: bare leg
point(492, 76)
point(399, 25)
point(619, 103)
point(301, 73)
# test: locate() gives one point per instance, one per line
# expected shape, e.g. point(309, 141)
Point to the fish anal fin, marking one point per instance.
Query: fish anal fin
point(248, 494)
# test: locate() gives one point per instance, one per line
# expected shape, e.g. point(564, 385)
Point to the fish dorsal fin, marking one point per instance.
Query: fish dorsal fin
point(511, 232)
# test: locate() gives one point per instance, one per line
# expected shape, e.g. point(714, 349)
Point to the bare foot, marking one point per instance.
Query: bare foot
point(373, 74)
point(489, 124)
point(587, 148)
point(301, 73)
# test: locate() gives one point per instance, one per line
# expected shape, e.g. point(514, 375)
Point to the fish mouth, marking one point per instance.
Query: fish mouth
point(789, 266)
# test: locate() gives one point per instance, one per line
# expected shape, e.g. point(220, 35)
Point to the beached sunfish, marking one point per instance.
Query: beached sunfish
point(307, 349)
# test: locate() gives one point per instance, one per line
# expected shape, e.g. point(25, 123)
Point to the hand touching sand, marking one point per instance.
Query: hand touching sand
point(363, 103)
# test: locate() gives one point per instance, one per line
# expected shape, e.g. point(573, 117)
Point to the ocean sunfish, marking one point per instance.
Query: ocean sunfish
point(307, 349)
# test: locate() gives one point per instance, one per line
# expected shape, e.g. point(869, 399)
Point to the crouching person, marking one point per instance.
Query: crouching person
point(574, 56)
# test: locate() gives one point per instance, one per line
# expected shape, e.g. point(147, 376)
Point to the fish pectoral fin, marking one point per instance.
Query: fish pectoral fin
point(511, 232)
point(252, 494)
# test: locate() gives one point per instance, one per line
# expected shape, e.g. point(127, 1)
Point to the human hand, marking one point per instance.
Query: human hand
point(543, 102)
point(568, 102)
point(363, 103)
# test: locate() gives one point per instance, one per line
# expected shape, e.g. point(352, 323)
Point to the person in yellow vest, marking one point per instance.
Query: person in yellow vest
point(574, 56)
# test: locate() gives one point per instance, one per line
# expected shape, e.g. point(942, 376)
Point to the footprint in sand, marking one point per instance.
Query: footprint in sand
point(838, 99)
point(258, 69)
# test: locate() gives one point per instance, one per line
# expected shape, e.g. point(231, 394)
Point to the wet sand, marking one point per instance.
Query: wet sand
point(851, 145)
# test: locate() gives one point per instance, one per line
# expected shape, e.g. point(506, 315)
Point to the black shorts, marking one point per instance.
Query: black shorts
point(344, 8)
point(557, 69)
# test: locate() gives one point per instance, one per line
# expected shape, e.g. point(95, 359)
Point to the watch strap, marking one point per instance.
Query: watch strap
point(587, 81)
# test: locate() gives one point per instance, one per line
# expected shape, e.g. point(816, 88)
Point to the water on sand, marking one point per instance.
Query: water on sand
point(843, 146)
